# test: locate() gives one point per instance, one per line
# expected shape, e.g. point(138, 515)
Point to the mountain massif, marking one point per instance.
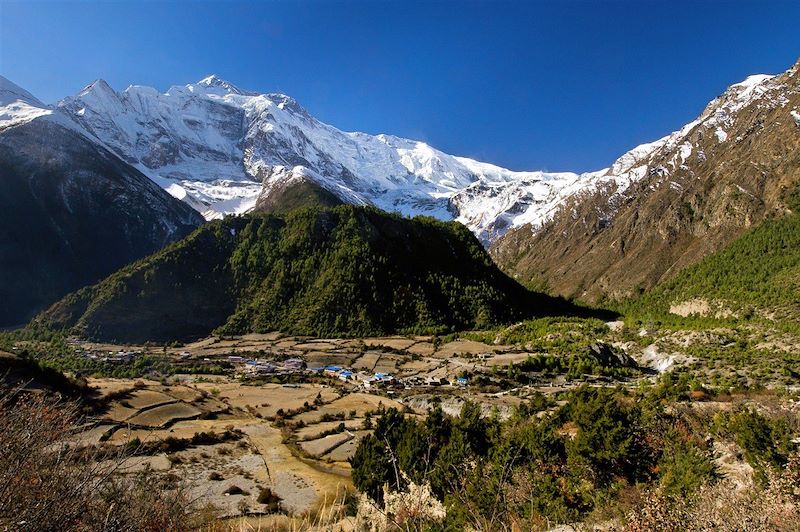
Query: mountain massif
point(699, 189)
point(223, 149)
point(348, 270)
point(87, 180)
point(73, 211)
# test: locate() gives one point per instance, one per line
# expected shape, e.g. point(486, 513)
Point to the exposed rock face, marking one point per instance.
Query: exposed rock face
point(700, 189)
point(609, 356)
point(691, 307)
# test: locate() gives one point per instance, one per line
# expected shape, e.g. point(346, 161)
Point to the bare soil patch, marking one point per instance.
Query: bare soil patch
point(317, 448)
point(165, 414)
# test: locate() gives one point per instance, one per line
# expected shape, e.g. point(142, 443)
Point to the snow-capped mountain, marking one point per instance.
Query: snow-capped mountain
point(219, 148)
point(688, 194)
point(72, 210)
point(222, 149)
point(17, 105)
point(102, 160)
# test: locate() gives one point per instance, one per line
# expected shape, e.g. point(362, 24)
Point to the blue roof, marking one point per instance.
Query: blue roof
point(333, 368)
point(346, 373)
point(461, 380)
point(379, 375)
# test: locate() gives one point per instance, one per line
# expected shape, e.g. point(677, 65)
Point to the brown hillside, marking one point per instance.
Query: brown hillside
point(700, 191)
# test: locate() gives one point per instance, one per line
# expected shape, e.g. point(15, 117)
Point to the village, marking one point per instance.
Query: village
point(379, 365)
point(249, 369)
point(400, 367)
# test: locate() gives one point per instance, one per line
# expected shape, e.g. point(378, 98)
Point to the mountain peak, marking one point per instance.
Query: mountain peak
point(752, 81)
point(97, 85)
point(18, 106)
point(214, 81)
point(99, 91)
point(287, 102)
point(211, 79)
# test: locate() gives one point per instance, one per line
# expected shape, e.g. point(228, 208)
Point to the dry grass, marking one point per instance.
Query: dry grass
point(726, 506)
point(46, 484)
point(292, 478)
point(327, 516)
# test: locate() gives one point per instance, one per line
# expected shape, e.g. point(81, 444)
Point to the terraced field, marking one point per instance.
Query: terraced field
point(321, 446)
point(232, 436)
point(164, 415)
point(149, 412)
point(266, 399)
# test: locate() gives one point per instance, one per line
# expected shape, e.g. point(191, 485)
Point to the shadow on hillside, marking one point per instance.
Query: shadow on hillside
point(543, 305)
point(25, 373)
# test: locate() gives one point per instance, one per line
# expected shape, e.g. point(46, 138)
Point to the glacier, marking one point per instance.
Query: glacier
point(220, 148)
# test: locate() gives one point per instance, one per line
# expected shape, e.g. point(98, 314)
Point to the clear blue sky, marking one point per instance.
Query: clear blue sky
point(537, 85)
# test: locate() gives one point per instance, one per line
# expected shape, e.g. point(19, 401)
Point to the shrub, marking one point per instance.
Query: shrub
point(233, 489)
point(70, 489)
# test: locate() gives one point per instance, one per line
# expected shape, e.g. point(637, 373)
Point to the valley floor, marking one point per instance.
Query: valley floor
point(260, 428)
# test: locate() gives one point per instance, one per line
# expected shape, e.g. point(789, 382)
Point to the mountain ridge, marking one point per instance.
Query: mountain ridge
point(699, 189)
point(341, 271)
point(220, 148)
point(73, 211)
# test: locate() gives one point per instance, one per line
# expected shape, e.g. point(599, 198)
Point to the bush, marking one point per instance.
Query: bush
point(70, 489)
point(269, 498)
point(233, 489)
point(766, 442)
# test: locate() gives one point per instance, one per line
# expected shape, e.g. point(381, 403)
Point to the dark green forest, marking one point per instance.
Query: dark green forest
point(758, 274)
point(344, 271)
point(594, 457)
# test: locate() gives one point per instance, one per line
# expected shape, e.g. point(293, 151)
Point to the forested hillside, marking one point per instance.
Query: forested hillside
point(757, 275)
point(342, 271)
